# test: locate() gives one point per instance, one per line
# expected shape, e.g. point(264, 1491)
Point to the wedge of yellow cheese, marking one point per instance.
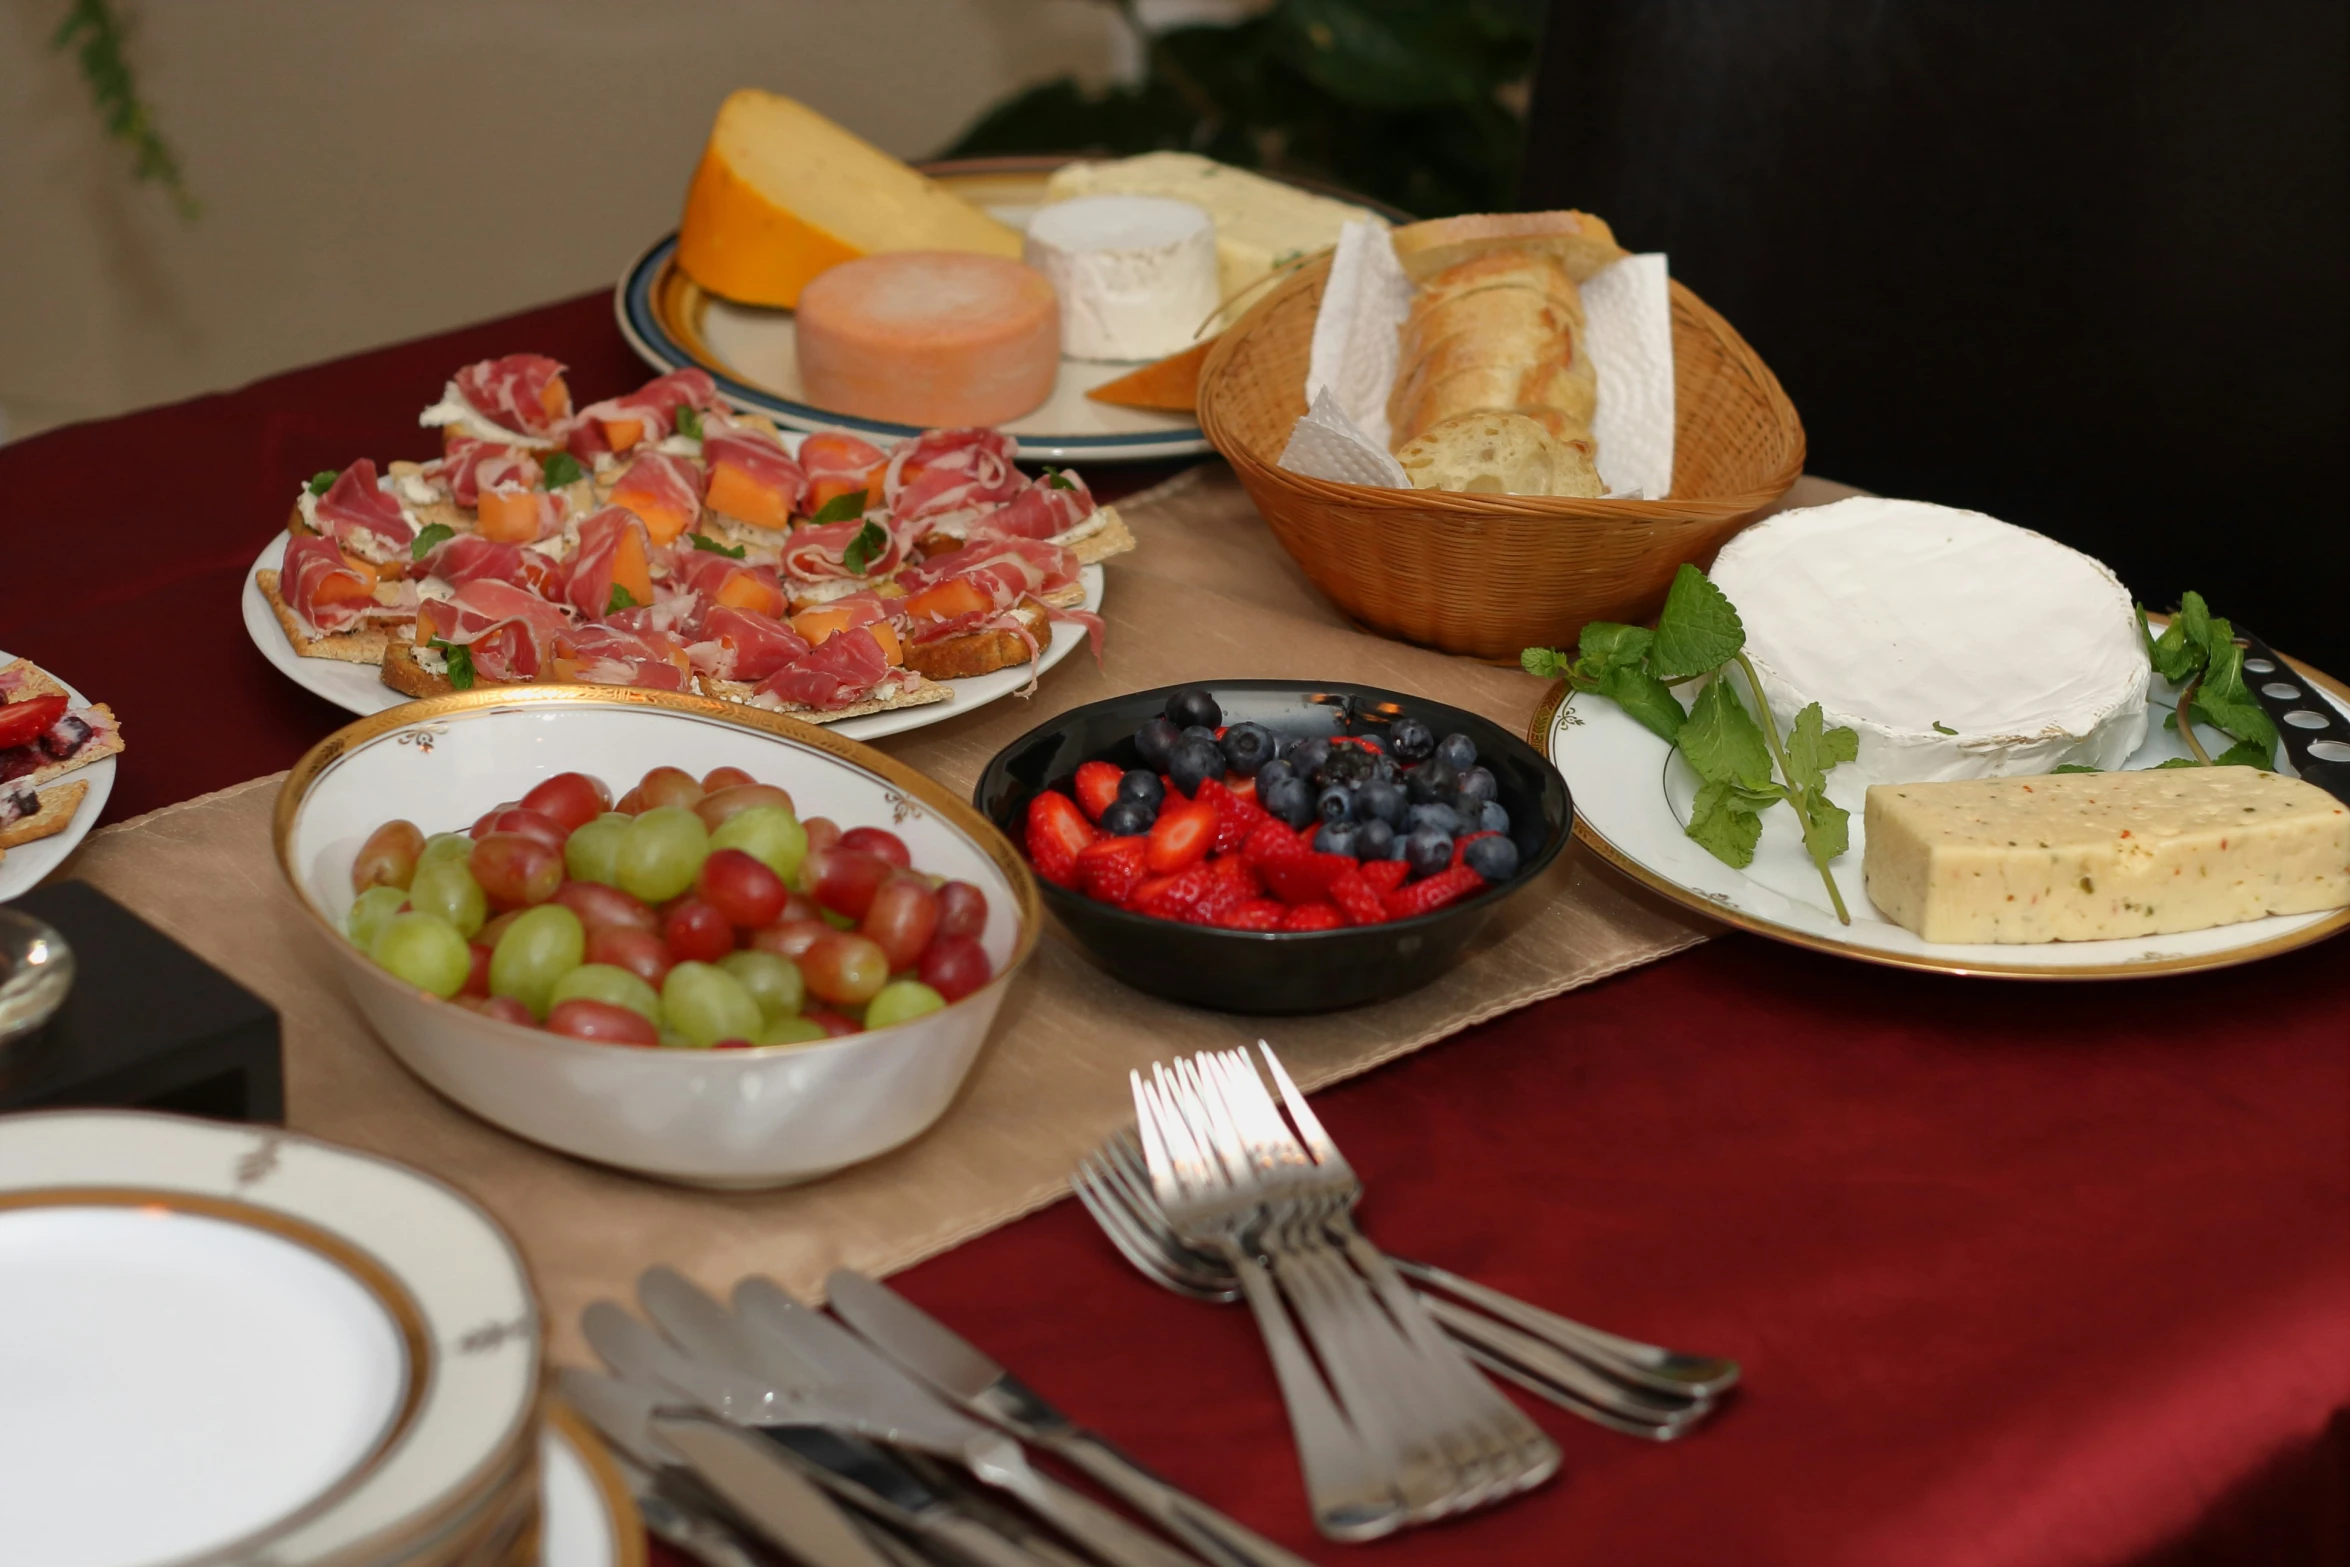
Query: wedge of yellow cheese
point(783, 194)
point(2085, 856)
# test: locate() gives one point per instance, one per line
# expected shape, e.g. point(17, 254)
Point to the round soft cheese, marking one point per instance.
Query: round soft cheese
point(1955, 645)
point(1136, 274)
point(936, 338)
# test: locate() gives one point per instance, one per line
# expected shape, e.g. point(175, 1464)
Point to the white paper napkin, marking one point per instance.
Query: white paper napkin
point(1629, 311)
point(1355, 344)
point(1326, 444)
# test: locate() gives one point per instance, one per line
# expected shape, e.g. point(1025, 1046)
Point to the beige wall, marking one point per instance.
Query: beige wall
point(376, 169)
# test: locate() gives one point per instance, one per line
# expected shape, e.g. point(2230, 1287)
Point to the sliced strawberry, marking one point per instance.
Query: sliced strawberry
point(1183, 834)
point(1112, 868)
point(1236, 819)
point(1232, 868)
point(1256, 914)
point(21, 723)
point(1460, 845)
point(1246, 788)
point(1171, 897)
point(1355, 899)
point(1303, 878)
point(1272, 840)
point(1385, 875)
point(1096, 787)
point(1424, 897)
point(1056, 835)
point(1313, 916)
point(1220, 897)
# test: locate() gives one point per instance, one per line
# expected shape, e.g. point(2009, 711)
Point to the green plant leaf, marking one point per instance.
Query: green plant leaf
point(1723, 742)
point(621, 599)
point(2228, 702)
point(1055, 479)
point(460, 659)
point(2176, 761)
point(1942, 728)
point(2248, 753)
point(430, 539)
point(1812, 749)
point(689, 421)
point(1607, 644)
point(870, 544)
point(1831, 826)
point(1389, 54)
point(841, 508)
point(1724, 825)
point(2075, 767)
point(1636, 691)
point(324, 480)
point(1549, 663)
point(703, 541)
point(561, 468)
point(2173, 656)
point(1698, 631)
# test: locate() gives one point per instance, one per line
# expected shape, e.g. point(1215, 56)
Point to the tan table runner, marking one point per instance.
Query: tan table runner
point(1209, 594)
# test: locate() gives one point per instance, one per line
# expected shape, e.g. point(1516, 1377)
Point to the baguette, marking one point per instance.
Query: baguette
point(1498, 454)
point(1498, 331)
point(1581, 244)
point(980, 652)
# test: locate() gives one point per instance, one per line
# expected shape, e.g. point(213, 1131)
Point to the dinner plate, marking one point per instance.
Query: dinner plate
point(359, 688)
point(586, 1516)
point(1632, 797)
point(26, 864)
point(232, 1343)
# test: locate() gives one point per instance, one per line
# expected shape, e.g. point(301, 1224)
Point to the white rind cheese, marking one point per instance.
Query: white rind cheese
point(1953, 644)
point(2089, 856)
point(1136, 274)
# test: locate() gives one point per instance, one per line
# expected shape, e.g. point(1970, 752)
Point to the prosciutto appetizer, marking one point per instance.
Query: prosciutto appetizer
point(1044, 510)
point(466, 465)
point(743, 645)
point(361, 517)
point(751, 477)
point(471, 558)
point(840, 465)
point(859, 548)
point(942, 477)
point(838, 672)
point(521, 394)
point(506, 631)
point(606, 655)
point(647, 414)
point(664, 491)
point(982, 587)
point(612, 569)
point(328, 590)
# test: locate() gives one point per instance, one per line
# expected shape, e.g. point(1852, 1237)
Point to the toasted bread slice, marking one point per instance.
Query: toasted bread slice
point(405, 675)
point(57, 808)
point(359, 645)
point(24, 678)
point(1113, 537)
point(979, 652)
point(1583, 244)
point(742, 691)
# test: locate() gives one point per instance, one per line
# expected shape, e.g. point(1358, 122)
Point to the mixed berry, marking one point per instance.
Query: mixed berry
point(1237, 826)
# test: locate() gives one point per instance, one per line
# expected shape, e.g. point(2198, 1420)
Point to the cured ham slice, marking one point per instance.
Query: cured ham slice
point(751, 477)
point(664, 491)
point(1044, 510)
point(1007, 569)
point(821, 554)
point(729, 582)
point(610, 656)
point(519, 512)
point(612, 569)
point(842, 670)
point(650, 412)
point(840, 465)
point(507, 629)
point(355, 511)
point(467, 464)
point(471, 558)
point(943, 474)
point(741, 644)
point(521, 392)
point(329, 592)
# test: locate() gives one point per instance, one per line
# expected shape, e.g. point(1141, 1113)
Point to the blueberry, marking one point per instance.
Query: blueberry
point(1275, 770)
point(1374, 839)
point(1308, 756)
point(1436, 818)
point(1430, 782)
point(1427, 851)
point(1201, 732)
point(1476, 786)
point(1459, 751)
point(1289, 800)
point(1492, 818)
point(1156, 741)
point(1381, 801)
point(1247, 748)
point(1142, 786)
point(1411, 741)
point(1195, 762)
point(1334, 804)
point(1192, 706)
point(1384, 769)
point(1127, 818)
point(1338, 838)
point(1495, 859)
point(1397, 844)
point(1349, 765)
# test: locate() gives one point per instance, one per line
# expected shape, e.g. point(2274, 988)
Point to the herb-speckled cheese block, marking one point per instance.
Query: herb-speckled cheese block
point(2087, 856)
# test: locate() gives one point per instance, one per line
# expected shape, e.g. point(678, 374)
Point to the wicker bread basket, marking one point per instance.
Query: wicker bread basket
point(1488, 575)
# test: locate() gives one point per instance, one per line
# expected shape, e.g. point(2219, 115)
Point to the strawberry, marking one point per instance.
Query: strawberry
point(1460, 845)
point(1313, 916)
point(1232, 868)
point(1385, 875)
point(1111, 868)
point(1171, 897)
point(1056, 832)
point(1182, 835)
point(1221, 896)
point(1303, 878)
point(1256, 914)
point(1272, 840)
point(1097, 787)
point(1434, 892)
point(1246, 788)
point(1236, 817)
point(1355, 899)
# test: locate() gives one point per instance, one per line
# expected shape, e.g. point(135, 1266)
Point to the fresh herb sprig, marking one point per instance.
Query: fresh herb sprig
point(845, 507)
point(460, 661)
point(560, 469)
point(2197, 653)
point(689, 421)
point(1698, 634)
point(703, 541)
point(870, 544)
point(430, 539)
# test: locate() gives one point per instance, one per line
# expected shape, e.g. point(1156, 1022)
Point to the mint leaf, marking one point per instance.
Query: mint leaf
point(841, 508)
point(703, 541)
point(2075, 767)
point(1606, 645)
point(1722, 823)
point(1549, 663)
point(1813, 748)
point(2223, 695)
point(1723, 742)
point(689, 421)
point(1942, 728)
point(324, 480)
point(561, 468)
point(2173, 656)
point(1830, 824)
point(460, 663)
point(621, 599)
point(1636, 691)
point(429, 539)
point(2176, 761)
point(2195, 623)
point(1055, 479)
point(870, 544)
point(2247, 753)
point(1698, 630)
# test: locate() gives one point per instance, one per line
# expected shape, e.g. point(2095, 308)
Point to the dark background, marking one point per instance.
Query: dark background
point(2077, 265)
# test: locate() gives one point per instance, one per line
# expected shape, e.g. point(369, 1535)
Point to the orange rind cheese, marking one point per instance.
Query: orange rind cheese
point(932, 338)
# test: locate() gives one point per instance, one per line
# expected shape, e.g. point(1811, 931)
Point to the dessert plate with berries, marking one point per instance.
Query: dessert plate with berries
point(1276, 846)
point(57, 753)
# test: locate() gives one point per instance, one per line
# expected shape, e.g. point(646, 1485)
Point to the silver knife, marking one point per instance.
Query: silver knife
point(954, 1368)
point(674, 1506)
point(754, 1481)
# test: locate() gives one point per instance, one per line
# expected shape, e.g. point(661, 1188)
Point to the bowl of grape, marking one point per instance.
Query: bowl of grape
point(704, 943)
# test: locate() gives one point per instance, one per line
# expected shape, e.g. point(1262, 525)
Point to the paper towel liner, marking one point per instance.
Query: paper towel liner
point(1344, 434)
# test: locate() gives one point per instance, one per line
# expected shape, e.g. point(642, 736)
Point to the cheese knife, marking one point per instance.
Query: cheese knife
point(955, 1369)
point(2305, 720)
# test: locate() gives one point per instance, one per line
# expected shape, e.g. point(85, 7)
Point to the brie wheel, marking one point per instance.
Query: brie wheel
point(1136, 274)
point(1955, 645)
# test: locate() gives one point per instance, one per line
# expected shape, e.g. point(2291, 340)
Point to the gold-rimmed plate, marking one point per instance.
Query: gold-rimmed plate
point(1632, 795)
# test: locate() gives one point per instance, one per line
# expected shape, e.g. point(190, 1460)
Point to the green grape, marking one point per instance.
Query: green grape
point(609, 983)
point(770, 834)
point(426, 952)
point(368, 913)
point(616, 818)
point(445, 888)
point(446, 846)
point(834, 917)
point(540, 947)
point(592, 852)
point(773, 981)
point(707, 1004)
point(791, 1031)
point(661, 852)
point(902, 1001)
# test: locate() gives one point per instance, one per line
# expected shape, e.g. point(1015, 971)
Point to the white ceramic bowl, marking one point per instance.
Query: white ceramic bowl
point(732, 1118)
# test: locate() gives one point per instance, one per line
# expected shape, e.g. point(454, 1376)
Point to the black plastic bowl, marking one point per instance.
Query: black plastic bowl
point(1279, 972)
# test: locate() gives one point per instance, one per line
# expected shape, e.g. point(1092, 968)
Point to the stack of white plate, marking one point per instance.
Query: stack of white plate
point(233, 1344)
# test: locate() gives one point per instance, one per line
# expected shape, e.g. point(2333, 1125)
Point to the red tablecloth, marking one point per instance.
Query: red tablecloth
point(2020, 1274)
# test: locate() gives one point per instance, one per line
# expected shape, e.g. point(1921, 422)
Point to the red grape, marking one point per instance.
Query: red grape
point(489, 818)
point(823, 832)
point(572, 800)
point(879, 842)
point(488, 935)
point(598, 905)
point(516, 870)
point(640, 952)
point(788, 938)
point(741, 888)
point(477, 977)
point(631, 803)
point(955, 966)
point(697, 930)
point(845, 880)
point(504, 1008)
point(832, 1022)
point(531, 824)
point(843, 967)
point(388, 857)
point(718, 807)
point(962, 910)
point(798, 906)
point(670, 786)
point(718, 778)
point(900, 920)
point(732, 1044)
point(585, 1019)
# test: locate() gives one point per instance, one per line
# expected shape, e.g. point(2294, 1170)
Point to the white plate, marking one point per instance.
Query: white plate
point(27, 864)
point(232, 1339)
point(359, 688)
point(1632, 794)
point(586, 1516)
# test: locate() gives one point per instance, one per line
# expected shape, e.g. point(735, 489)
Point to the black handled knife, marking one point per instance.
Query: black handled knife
point(2316, 736)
